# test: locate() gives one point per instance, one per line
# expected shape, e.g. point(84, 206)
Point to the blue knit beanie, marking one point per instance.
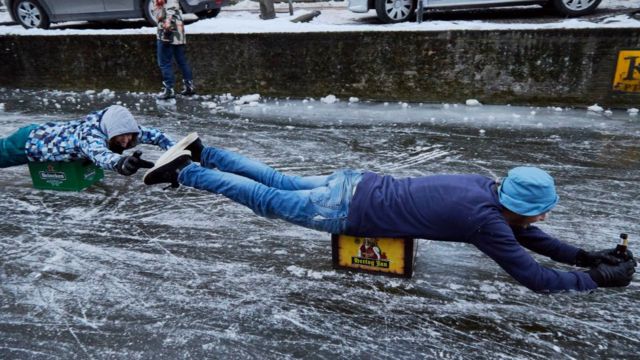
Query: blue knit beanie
point(528, 191)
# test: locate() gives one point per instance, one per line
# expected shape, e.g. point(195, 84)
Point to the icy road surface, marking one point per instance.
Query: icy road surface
point(125, 271)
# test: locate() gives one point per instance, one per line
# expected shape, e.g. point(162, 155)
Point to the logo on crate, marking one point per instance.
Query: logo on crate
point(89, 175)
point(370, 254)
point(627, 76)
point(52, 175)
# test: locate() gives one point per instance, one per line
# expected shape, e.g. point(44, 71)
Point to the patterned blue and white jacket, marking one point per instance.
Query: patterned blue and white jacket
point(83, 139)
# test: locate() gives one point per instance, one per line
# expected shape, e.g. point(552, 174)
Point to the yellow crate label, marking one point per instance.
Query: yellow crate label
point(377, 254)
point(627, 77)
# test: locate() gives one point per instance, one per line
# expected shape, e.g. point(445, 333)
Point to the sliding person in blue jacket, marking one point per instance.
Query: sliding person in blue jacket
point(494, 216)
point(101, 138)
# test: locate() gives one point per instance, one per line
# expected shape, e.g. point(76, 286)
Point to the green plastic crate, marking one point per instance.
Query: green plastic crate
point(64, 176)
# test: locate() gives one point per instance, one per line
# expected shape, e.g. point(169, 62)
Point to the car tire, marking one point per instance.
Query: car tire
point(147, 12)
point(575, 8)
point(208, 14)
point(395, 11)
point(30, 14)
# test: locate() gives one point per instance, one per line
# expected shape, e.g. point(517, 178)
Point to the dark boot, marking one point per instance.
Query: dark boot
point(167, 93)
point(167, 170)
point(191, 143)
point(195, 148)
point(189, 88)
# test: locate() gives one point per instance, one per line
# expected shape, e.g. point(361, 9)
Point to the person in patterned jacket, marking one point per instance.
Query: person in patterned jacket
point(171, 44)
point(101, 137)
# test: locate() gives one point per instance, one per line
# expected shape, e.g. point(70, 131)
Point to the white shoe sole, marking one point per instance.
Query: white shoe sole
point(179, 146)
point(165, 160)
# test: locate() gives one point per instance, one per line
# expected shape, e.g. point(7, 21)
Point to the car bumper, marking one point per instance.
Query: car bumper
point(203, 6)
point(359, 6)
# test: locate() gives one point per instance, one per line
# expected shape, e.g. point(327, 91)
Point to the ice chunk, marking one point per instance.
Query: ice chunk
point(329, 99)
point(473, 102)
point(247, 99)
point(595, 108)
point(209, 104)
point(296, 270)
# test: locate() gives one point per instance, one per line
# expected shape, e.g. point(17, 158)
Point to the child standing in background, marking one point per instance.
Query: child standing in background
point(171, 44)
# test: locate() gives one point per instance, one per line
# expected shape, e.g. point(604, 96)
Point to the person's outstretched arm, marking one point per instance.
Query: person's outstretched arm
point(95, 149)
point(496, 239)
point(155, 137)
point(542, 243)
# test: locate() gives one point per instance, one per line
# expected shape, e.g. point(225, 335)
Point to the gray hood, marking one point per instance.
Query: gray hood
point(117, 120)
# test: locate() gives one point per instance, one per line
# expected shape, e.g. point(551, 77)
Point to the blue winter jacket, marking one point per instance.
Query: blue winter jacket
point(83, 139)
point(463, 208)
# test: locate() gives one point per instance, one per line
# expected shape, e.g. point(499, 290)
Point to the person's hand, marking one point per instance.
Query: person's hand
point(595, 258)
point(129, 165)
point(606, 275)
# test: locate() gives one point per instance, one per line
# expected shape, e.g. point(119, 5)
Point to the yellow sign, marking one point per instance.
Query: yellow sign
point(374, 254)
point(627, 77)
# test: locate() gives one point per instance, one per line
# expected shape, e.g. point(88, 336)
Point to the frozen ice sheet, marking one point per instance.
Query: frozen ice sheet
point(127, 271)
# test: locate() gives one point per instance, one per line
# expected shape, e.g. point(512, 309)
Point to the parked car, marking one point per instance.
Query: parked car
point(41, 13)
point(394, 11)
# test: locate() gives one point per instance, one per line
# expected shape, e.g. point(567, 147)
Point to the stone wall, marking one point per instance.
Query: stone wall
point(543, 67)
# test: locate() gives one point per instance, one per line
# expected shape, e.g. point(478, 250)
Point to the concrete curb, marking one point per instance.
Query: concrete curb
point(570, 67)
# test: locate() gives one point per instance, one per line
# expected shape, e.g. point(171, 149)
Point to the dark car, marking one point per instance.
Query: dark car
point(41, 13)
point(394, 11)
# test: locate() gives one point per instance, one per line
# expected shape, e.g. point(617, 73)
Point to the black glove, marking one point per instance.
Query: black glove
point(606, 275)
point(128, 165)
point(595, 258)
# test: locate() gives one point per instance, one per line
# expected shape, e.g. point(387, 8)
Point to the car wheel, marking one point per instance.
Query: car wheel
point(147, 12)
point(208, 14)
point(30, 14)
point(575, 7)
point(395, 11)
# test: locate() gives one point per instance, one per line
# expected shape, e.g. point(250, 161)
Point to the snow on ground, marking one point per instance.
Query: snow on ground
point(244, 18)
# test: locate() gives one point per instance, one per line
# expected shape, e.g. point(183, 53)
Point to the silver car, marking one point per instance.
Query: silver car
point(41, 13)
point(393, 11)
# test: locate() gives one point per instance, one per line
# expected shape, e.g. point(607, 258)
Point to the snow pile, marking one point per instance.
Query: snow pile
point(595, 108)
point(237, 19)
point(633, 112)
point(209, 104)
point(107, 94)
point(473, 102)
point(248, 99)
point(329, 99)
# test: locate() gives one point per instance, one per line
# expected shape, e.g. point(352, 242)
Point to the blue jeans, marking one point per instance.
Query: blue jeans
point(13, 147)
point(315, 202)
point(166, 54)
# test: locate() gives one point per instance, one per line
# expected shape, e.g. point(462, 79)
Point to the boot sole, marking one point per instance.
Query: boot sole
point(178, 156)
point(179, 146)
